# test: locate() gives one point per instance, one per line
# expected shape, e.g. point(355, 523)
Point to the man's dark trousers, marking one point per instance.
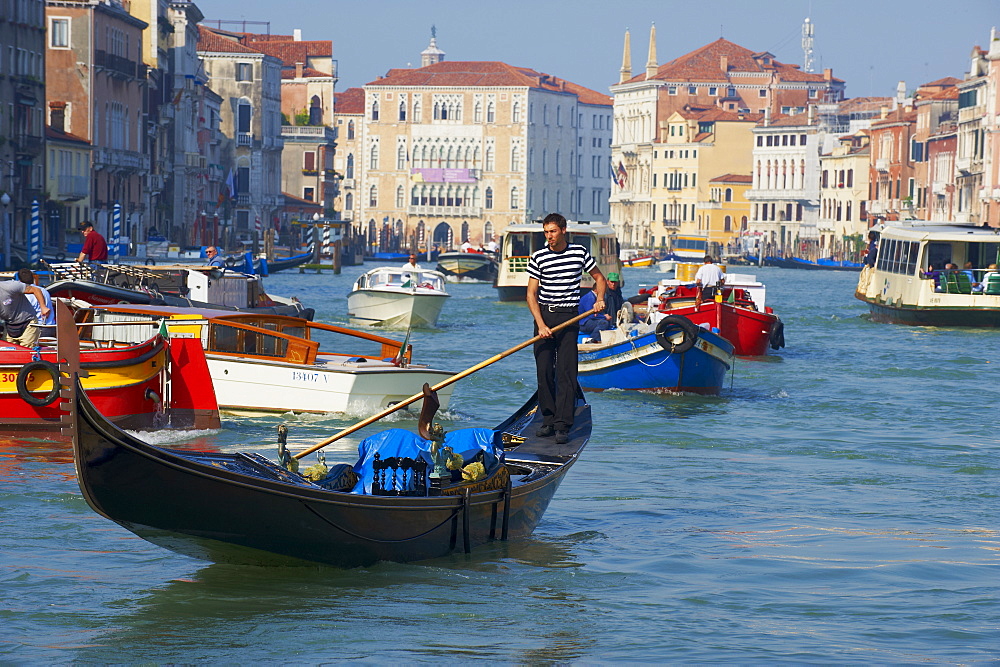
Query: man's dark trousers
point(555, 365)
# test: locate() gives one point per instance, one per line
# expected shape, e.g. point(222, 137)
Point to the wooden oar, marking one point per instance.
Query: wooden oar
point(443, 383)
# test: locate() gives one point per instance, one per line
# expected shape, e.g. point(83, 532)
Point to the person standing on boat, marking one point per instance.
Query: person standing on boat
point(872, 252)
point(214, 258)
point(708, 278)
point(48, 321)
point(18, 313)
point(411, 265)
point(95, 248)
point(554, 273)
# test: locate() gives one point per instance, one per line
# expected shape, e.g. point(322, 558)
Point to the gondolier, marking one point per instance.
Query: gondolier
point(553, 296)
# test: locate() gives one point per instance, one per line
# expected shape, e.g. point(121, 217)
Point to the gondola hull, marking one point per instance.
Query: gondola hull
point(241, 508)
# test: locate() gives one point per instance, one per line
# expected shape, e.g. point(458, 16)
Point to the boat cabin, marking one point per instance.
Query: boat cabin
point(389, 278)
point(222, 332)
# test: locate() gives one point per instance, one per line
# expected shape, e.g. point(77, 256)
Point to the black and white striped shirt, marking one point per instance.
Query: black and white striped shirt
point(558, 273)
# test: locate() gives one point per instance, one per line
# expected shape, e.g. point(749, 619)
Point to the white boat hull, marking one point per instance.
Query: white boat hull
point(331, 385)
point(395, 308)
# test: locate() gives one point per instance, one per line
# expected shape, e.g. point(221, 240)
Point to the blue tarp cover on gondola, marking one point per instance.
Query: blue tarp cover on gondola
point(398, 442)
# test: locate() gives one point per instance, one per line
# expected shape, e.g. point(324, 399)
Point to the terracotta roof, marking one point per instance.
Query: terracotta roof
point(733, 178)
point(785, 120)
point(292, 200)
point(945, 82)
point(856, 104)
point(896, 116)
point(56, 135)
point(705, 64)
point(293, 52)
point(351, 101)
point(213, 42)
point(307, 73)
point(946, 94)
point(486, 74)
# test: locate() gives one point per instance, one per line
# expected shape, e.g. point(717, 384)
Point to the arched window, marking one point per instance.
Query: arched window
point(350, 129)
point(416, 110)
point(349, 201)
point(373, 196)
point(487, 232)
point(489, 198)
point(373, 157)
point(402, 110)
point(729, 223)
point(374, 109)
point(350, 166)
point(488, 164)
point(515, 198)
point(491, 113)
point(400, 194)
point(515, 112)
point(729, 194)
point(477, 112)
point(315, 111)
point(515, 158)
point(401, 157)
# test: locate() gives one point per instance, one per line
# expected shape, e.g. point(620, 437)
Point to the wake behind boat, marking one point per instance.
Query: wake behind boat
point(395, 297)
point(401, 501)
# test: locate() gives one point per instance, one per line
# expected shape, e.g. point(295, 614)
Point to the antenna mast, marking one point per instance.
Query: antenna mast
point(807, 46)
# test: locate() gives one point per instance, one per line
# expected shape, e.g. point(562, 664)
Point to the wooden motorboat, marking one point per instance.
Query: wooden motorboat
point(741, 317)
point(672, 356)
point(909, 283)
point(467, 267)
point(395, 297)
point(522, 239)
point(200, 286)
point(637, 259)
point(273, 363)
point(153, 383)
point(243, 508)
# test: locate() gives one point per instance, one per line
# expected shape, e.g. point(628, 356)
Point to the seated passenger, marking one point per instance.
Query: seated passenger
point(991, 271)
point(592, 323)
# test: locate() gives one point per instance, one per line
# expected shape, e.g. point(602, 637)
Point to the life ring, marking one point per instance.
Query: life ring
point(22, 382)
point(669, 326)
point(60, 257)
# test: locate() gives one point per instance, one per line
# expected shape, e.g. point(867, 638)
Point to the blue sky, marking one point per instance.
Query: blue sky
point(871, 45)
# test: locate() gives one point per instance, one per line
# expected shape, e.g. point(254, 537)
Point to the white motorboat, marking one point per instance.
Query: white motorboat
point(396, 297)
point(273, 363)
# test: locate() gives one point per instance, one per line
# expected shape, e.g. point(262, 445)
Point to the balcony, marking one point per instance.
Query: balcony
point(119, 65)
point(243, 199)
point(72, 188)
point(319, 133)
point(882, 164)
point(347, 183)
point(28, 145)
point(244, 139)
point(120, 159)
point(446, 211)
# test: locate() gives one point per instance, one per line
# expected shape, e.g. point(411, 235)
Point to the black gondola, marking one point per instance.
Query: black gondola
point(242, 508)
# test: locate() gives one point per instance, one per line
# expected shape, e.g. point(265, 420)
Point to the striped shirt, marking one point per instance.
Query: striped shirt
point(558, 273)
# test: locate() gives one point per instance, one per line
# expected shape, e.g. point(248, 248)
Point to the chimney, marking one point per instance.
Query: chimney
point(827, 74)
point(298, 70)
point(625, 73)
point(57, 116)
point(883, 112)
point(767, 116)
point(724, 63)
point(297, 35)
point(810, 114)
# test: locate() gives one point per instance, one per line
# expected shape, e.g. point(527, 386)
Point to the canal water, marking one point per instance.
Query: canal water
point(838, 503)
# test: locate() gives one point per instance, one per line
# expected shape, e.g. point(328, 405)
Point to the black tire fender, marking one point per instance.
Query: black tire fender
point(60, 257)
point(669, 326)
point(22, 382)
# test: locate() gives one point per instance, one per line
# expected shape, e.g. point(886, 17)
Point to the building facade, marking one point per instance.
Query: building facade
point(720, 75)
point(22, 115)
point(456, 151)
point(249, 83)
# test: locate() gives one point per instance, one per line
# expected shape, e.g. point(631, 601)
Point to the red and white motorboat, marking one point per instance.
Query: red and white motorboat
point(738, 313)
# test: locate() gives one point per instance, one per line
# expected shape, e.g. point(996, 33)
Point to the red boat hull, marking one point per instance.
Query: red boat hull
point(748, 330)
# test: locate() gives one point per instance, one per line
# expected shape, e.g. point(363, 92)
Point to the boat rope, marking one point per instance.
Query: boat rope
point(635, 354)
point(454, 513)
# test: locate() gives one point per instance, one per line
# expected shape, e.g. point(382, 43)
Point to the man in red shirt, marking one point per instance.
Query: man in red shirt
point(95, 248)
